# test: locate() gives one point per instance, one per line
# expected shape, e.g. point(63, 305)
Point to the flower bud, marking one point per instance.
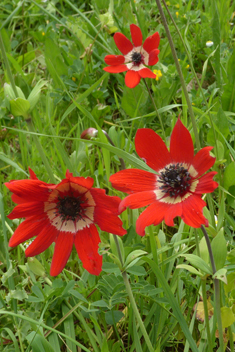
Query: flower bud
point(89, 133)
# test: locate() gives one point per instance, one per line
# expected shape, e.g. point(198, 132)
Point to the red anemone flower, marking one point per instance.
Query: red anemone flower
point(65, 214)
point(177, 187)
point(135, 56)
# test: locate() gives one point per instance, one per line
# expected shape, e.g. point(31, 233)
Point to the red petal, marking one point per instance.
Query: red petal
point(102, 200)
point(150, 147)
point(27, 229)
point(63, 249)
point(68, 174)
point(42, 241)
point(87, 244)
point(192, 213)
point(172, 212)
point(86, 182)
point(206, 183)
point(108, 222)
point(152, 42)
point(137, 200)
point(153, 57)
point(114, 59)
point(32, 174)
point(133, 180)
point(154, 214)
point(29, 190)
point(132, 79)
point(123, 44)
point(146, 73)
point(203, 161)
point(27, 209)
point(115, 69)
point(136, 35)
point(181, 145)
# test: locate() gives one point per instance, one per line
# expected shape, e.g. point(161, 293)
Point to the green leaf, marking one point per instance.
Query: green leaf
point(112, 317)
point(20, 107)
point(17, 294)
point(8, 161)
point(229, 179)
point(204, 254)
point(69, 328)
point(190, 268)
point(137, 270)
point(198, 262)
point(7, 274)
point(9, 92)
point(227, 317)
point(173, 303)
point(134, 101)
point(132, 256)
point(105, 347)
point(35, 94)
point(219, 249)
point(40, 344)
point(12, 336)
point(221, 275)
point(36, 267)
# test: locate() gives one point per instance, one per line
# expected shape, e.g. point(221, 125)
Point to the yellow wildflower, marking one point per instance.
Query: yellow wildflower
point(74, 79)
point(43, 33)
point(158, 74)
point(187, 66)
point(177, 14)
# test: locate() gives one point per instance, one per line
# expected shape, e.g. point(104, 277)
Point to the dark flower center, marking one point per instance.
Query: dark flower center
point(175, 180)
point(69, 208)
point(136, 58)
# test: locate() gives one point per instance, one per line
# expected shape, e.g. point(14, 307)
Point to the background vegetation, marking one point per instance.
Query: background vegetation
point(56, 49)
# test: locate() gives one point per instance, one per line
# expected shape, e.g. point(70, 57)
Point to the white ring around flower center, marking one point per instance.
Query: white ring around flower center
point(161, 195)
point(50, 208)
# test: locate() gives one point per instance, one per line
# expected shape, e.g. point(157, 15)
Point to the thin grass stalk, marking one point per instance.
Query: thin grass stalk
point(41, 324)
point(41, 151)
point(183, 84)
point(12, 14)
point(198, 82)
point(156, 109)
point(11, 282)
point(132, 299)
point(29, 121)
point(217, 290)
point(7, 66)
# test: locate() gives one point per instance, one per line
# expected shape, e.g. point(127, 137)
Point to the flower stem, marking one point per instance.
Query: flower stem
point(204, 297)
point(217, 289)
point(132, 300)
point(180, 74)
point(156, 109)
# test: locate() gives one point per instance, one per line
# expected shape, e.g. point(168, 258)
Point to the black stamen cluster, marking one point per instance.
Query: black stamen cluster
point(175, 180)
point(69, 208)
point(136, 58)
